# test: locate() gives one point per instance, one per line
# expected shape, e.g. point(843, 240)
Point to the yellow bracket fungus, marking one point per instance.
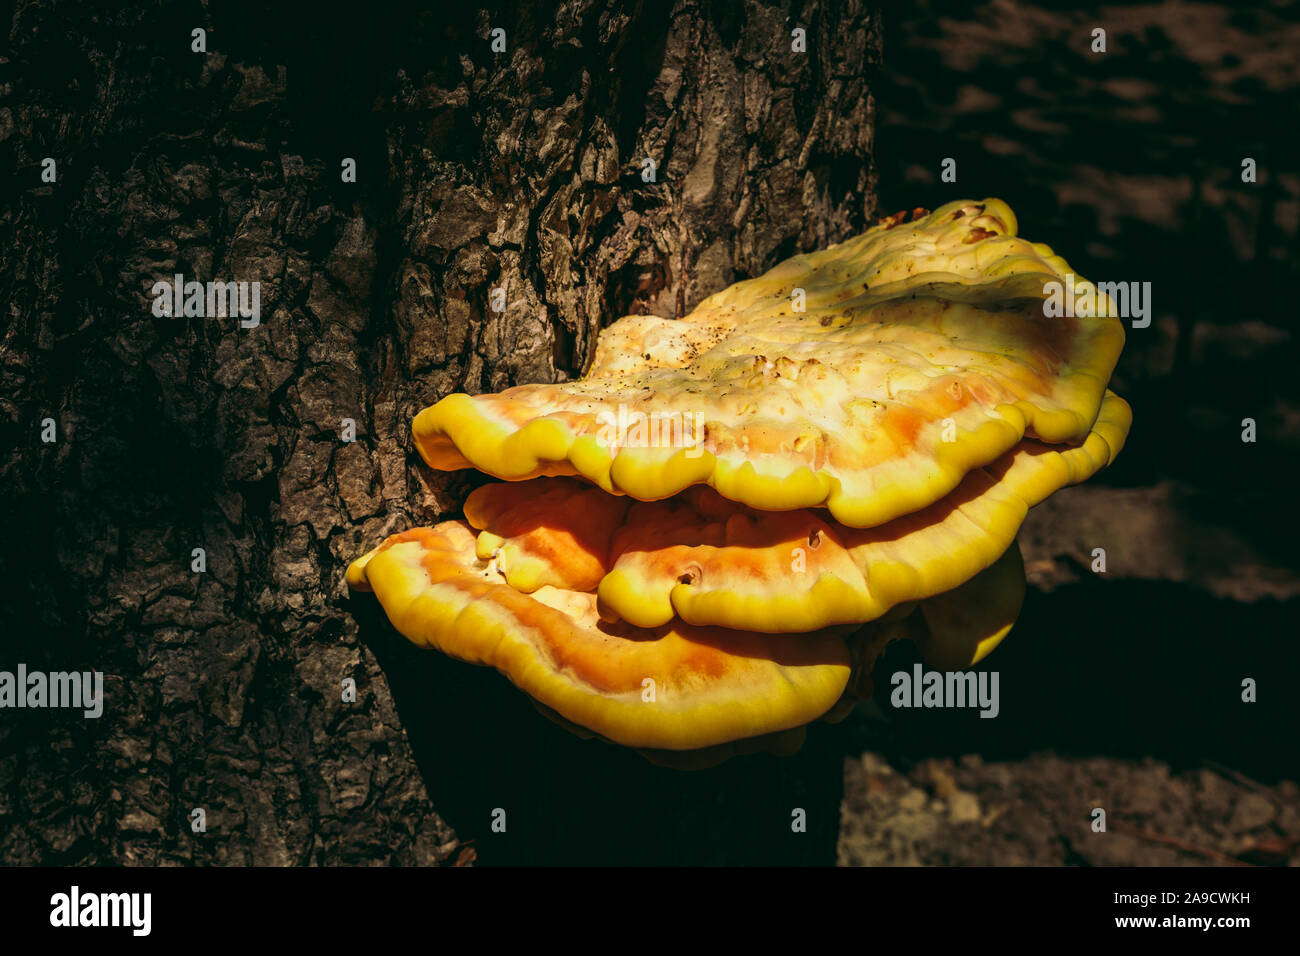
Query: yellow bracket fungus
point(705, 544)
point(961, 627)
point(868, 378)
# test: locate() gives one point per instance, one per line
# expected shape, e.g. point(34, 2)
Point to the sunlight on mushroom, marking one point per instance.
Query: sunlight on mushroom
point(706, 543)
point(922, 352)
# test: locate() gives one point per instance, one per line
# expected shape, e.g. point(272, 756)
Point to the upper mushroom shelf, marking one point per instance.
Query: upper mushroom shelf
point(921, 352)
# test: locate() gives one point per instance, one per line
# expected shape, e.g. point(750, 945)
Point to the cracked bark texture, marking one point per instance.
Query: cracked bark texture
point(476, 169)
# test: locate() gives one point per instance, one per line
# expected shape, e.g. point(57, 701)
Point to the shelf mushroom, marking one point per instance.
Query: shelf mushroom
point(704, 544)
point(677, 687)
point(921, 351)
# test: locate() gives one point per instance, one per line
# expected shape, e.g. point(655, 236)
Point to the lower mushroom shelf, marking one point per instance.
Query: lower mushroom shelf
point(686, 696)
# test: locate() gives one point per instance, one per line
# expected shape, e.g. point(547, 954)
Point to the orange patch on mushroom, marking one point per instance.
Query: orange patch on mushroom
point(710, 685)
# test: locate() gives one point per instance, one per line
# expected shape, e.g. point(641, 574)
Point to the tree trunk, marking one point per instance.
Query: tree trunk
point(525, 170)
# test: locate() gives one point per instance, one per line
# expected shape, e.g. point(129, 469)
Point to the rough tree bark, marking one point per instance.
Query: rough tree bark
point(476, 169)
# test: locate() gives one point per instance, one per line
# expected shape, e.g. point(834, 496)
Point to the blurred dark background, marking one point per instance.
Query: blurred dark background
point(1123, 690)
point(1129, 164)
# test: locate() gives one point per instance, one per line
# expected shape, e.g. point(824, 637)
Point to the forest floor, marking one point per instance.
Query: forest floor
point(1035, 812)
point(1187, 772)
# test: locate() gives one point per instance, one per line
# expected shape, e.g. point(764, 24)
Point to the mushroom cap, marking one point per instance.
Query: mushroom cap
point(706, 561)
point(959, 628)
point(923, 353)
point(711, 686)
